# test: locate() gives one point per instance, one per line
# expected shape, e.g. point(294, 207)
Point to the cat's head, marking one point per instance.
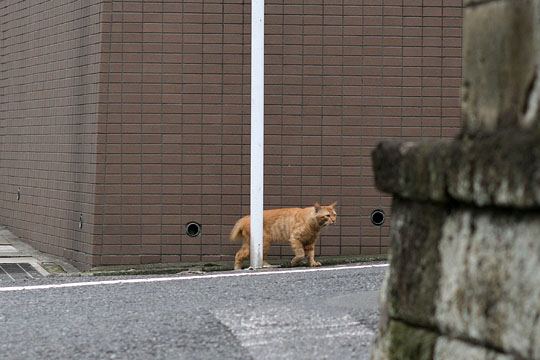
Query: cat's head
point(326, 214)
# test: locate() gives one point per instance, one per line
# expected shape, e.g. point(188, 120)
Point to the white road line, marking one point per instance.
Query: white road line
point(1, 268)
point(27, 273)
point(180, 278)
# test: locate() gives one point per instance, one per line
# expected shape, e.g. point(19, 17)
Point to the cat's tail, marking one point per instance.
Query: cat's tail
point(236, 233)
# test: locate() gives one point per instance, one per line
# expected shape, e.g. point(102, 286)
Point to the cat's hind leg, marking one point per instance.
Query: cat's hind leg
point(266, 249)
point(241, 255)
point(299, 253)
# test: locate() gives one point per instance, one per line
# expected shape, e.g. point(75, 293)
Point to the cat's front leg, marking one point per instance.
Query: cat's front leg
point(310, 253)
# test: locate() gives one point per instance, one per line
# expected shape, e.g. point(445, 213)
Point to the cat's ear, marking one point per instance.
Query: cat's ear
point(317, 206)
point(333, 205)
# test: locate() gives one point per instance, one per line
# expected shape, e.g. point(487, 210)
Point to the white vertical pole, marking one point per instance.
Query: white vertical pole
point(257, 133)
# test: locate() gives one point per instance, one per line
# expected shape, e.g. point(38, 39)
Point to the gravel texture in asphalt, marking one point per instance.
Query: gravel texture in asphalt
point(279, 315)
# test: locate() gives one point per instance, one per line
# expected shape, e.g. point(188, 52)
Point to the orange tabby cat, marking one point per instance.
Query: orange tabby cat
point(299, 227)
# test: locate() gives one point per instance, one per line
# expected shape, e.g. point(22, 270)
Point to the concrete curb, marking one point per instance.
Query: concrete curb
point(44, 263)
point(205, 267)
point(57, 266)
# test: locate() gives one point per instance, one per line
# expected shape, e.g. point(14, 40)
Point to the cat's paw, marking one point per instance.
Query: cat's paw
point(315, 264)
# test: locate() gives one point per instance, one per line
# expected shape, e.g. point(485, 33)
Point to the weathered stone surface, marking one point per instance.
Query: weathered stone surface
point(411, 291)
point(467, 3)
point(500, 169)
point(464, 279)
point(498, 63)
point(448, 349)
point(414, 171)
point(531, 118)
point(489, 288)
point(401, 341)
point(471, 273)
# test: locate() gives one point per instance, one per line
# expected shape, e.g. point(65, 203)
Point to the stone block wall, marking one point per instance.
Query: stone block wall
point(464, 279)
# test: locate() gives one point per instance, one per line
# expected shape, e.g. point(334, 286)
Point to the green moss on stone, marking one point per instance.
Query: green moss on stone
point(410, 343)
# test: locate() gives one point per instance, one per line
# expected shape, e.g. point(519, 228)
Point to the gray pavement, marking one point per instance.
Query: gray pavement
point(280, 315)
point(15, 251)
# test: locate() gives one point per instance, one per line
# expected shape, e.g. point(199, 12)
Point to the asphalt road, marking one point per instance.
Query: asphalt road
point(329, 314)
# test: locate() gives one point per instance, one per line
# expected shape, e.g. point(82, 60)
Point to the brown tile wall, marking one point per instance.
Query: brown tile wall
point(341, 75)
point(49, 75)
point(172, 117)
